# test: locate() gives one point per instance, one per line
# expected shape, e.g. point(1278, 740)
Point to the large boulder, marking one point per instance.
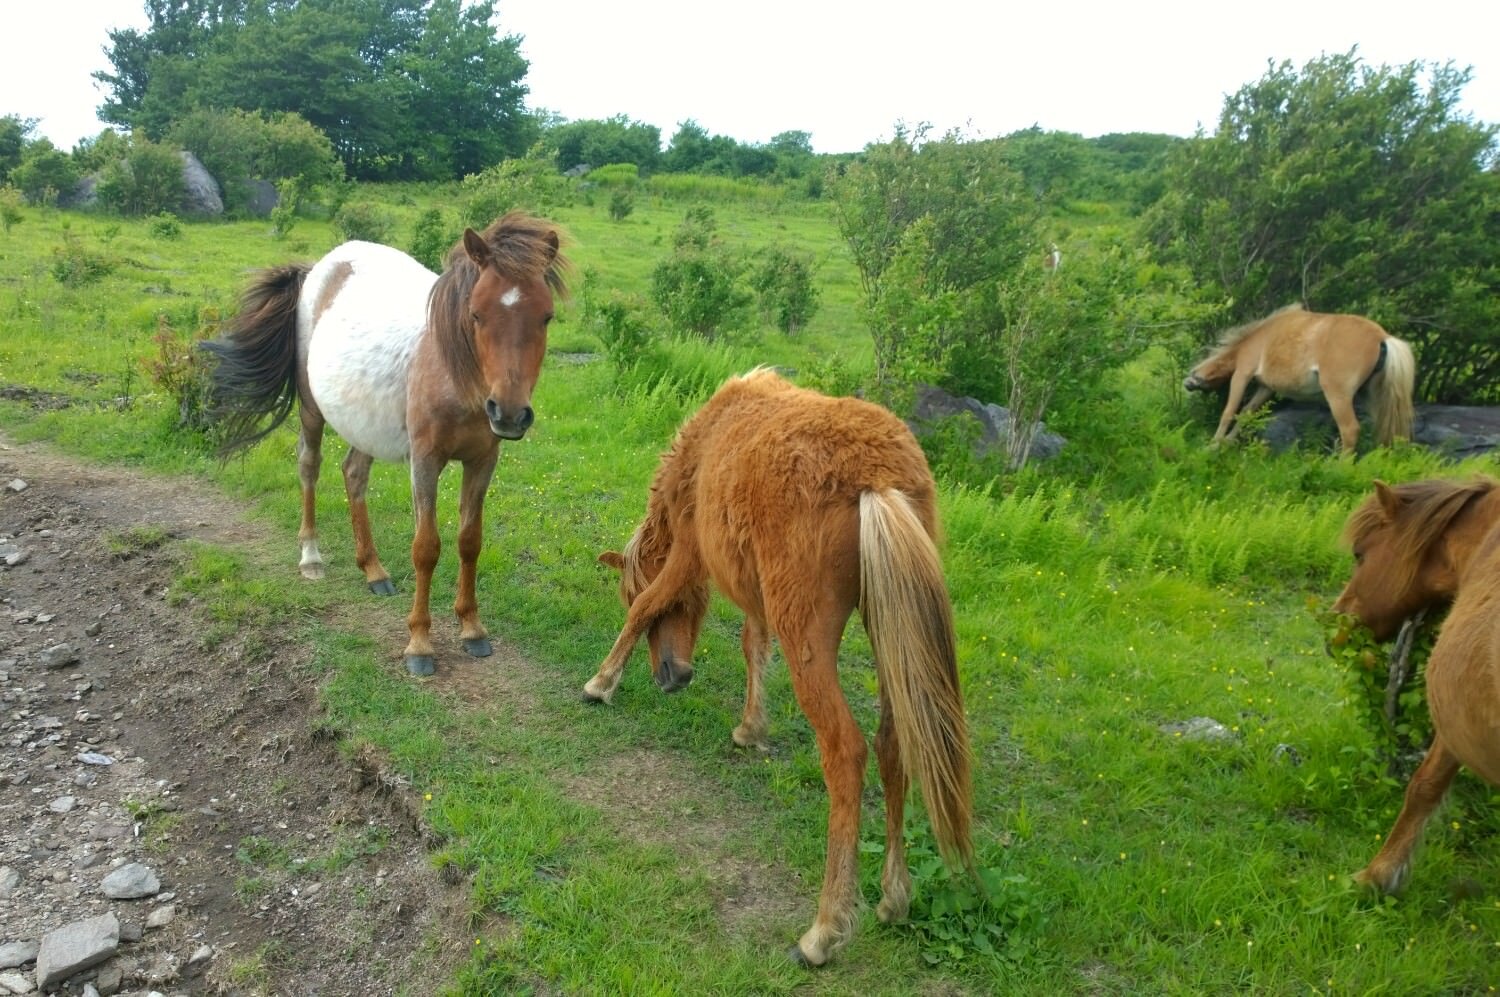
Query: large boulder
point(260, 197)
point(1457, 431)
point(201, 197)
point(934, 405)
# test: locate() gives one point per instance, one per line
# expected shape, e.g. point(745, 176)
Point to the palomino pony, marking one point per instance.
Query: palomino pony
point(1422, 544)
point(800, 507)
point(405, 365)
point(1301, 354)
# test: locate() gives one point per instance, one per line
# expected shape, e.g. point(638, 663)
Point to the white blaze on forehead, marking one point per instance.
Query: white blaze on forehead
point(510, 298)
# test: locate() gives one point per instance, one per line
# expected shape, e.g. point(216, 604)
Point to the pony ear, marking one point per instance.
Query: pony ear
point(613, 559)
point(553, 245)
point(1390, 502)
point(477, 248)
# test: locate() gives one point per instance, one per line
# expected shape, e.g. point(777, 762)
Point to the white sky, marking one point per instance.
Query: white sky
point(847, 72)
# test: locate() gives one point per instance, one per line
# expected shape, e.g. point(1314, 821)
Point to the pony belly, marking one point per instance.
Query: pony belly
point(360, 388)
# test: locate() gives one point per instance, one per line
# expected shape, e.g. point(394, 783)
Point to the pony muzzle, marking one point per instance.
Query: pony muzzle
point(672, 675)
point(508, 425)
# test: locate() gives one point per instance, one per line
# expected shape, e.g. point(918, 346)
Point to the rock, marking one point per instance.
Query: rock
point(10, 881)
point(1198, 729)
point(260, 197)
point(109, 981)
point(94, 758)
point(201, 197)
point(57, 656)
point(1457, 431)
point(1287, 753)
point(934, 405)
point(76, 947)
point(15, 983)
point(63, 804)
point(17, 557)
point(13, 954)
point(198, 961)
point(161, 917)
point(16, 485)
point(129, 882)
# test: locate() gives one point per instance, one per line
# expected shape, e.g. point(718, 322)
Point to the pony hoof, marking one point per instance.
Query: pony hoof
point(478, 647)
point(383, 587)
point(421, 664)
point(799, 957)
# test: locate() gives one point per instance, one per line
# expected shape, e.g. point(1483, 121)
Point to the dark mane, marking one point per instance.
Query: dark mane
point(1427, 508)
point(521, 250)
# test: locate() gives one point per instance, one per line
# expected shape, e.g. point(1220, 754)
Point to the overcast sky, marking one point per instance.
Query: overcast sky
point(848, 72)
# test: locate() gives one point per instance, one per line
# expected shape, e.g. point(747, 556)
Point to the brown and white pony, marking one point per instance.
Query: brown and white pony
point(1429, 543)
point(1303, 355)
point(800, 507)
point(405, 365)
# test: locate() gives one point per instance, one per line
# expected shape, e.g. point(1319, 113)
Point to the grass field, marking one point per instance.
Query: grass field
point(632, 849)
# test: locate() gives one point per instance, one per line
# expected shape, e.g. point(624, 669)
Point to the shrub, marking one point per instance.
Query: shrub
point(783, 283)
point(431, 239)
point(616, 175)
point(1396, 719)
point(74, 265)
point(182, 370)
point(621, 204)
point(44, 173)
point(288, 202)
point(10, 207)
point(237, 146)
point(699, 292)
point(147, 181)
point(362, 220)
point(165, 226)
point(531, 184)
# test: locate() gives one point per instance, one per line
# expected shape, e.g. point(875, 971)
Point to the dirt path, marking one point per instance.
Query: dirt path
point(123, 740)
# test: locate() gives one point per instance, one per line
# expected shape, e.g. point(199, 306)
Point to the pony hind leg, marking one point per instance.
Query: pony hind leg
point(1342, 407)
point(309, 466)
point(356, 469)
point(755, 640)
point(1429, 784)
point(841, 747)
point(895, 878)
point(476, 481)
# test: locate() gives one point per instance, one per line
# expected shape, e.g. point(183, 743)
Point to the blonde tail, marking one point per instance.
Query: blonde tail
point(1391, 394)
point(904, 604)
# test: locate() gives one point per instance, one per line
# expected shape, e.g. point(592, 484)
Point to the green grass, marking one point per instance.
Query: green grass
point(1143, 583)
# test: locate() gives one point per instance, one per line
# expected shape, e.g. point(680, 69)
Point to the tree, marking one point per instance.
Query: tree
point(1349, 188)
point(600, 143)
point(402, 88)
point(15, 133)
point(45, 172)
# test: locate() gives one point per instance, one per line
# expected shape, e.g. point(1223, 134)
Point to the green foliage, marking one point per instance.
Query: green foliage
point(783, 283)
point(417, 91)
point(75, 265)
point(165, 226)
point(618, 141)
point(1349, 188)
point(182, 369)
point(699, 291)
point(147, 181)
point(363, 220)
point(1400, 737)
point(619, 320)
point(237, 146)
point(431, 238)
point(529, 184)
point(10, 208)
point(621, 204)
point(44, 173)
point(615, 175)
point(15, 134)
point(288, 203)
point(91, 155)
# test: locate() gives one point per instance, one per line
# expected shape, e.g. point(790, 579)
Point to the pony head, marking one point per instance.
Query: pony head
point(672, 630)
point(1403, 553)
point(490, 311)
point(1210, 373)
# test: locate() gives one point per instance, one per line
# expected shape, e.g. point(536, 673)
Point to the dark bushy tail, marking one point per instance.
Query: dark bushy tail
point(904, 603)
point(255, 377)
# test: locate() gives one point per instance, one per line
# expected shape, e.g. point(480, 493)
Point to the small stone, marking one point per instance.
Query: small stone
point(15, 983)
point(16, 485)
point(130, 882)
point(16, 558)
point(57, 656)
point(94, 758)
point(13, 954)
point(161, 917)
point(92, 630)
point(198, 961)
point(63, 804)
point(76, 947)
point(1198, 729)
point(10, 880)
point(131, 931)
point(110, 979)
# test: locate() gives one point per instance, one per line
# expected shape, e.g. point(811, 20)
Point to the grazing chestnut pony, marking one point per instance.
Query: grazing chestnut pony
point(405, 365)
point(1430, 543)
point(800, 507)
point(1303, 354)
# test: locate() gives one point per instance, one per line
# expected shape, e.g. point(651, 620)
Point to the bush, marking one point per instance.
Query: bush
point(182, 369)
point(698, 291)
point(45, 173)
point(783, 283)
point(362, 220)
point(147, 181)
point(237, 146)
point(616, 175)
point(531, 184)
point(165, 226)
point(10, 207)
point(621, 204)
point(431, 239)
point(288, 202)
point(74, 265)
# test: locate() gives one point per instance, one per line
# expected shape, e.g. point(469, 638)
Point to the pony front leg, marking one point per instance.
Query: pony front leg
point(601, 688)
point(1429, 784)
point(309, 465)
point(356, 483)
point(476, 482)
point(756, 643)
point(841, 747)
point(425, 547)
point(1237, 385)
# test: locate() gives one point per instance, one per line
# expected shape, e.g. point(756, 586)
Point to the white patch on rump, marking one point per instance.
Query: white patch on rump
point(511, 298)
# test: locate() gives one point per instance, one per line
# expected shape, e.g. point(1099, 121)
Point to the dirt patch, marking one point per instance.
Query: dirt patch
point(280, 864)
